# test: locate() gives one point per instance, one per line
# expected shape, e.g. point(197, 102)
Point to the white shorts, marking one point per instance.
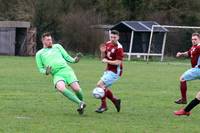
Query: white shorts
point(191, 74)
point(109, 78)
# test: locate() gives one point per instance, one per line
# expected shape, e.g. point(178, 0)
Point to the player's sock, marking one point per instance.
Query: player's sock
point(191, 105)
point(71, 96)
point(103, 102)
point(79, 94)
point(183, 88)
point(110, 96)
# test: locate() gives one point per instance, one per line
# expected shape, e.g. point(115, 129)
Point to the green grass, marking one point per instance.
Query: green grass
point(30, 104)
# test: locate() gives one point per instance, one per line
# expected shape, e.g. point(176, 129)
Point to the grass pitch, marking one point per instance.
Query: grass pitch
point(30, 104)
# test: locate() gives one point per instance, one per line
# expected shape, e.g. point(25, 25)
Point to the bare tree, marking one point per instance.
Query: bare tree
point(79, 36)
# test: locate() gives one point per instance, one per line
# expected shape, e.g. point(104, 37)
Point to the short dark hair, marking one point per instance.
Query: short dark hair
point(115, 32)
point(196, 34)
point(46, 34)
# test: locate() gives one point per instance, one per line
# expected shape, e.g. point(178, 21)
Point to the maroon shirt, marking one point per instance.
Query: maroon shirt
point(114, 52)
point(194, 53)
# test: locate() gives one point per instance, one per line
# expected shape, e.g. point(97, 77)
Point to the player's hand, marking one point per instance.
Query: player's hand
point(48, 70)
point(79, 54)
point(102, 47)
point(78, 57)
point(104, 60)
point(178, 54)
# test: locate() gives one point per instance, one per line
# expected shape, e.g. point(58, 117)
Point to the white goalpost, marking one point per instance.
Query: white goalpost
point(164, 39)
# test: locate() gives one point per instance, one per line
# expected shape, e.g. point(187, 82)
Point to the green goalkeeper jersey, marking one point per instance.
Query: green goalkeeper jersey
point(56, 57)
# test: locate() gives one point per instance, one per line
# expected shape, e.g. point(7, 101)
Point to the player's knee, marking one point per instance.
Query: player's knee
point(182, 79)
point(75, 86)
point(100, 84)
point(60, 86)
point(198, 95)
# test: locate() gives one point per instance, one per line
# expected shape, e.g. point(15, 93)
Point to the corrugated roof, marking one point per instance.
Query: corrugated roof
point(15, 24)
point(139, 26)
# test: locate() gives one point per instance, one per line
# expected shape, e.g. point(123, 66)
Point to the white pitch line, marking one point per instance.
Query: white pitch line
point(23, 117)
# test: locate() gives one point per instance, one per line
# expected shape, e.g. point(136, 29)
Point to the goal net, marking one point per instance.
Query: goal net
point(178, 38)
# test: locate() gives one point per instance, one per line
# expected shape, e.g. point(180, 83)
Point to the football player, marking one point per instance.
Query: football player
point(112, 55)
point(192, 73)
point(52, 59)
point(195, 101)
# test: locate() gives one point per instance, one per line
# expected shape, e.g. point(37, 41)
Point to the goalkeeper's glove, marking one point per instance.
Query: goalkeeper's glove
point(78, 56)
point(48, 70)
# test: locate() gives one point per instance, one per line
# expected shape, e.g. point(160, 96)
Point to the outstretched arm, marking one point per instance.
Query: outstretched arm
point(65, 55)
point(41, 67)
point(78, 57)
point(112, 62)
point(102, 48)
point(179, 54)
point(39, 63)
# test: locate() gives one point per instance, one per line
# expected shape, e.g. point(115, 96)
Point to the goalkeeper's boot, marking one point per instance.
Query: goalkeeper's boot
point(181, 112)
point(118, 105)
point(101, 109)
point(81, 108)
point(181, 101)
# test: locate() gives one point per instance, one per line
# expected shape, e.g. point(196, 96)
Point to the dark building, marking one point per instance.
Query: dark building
point(17, 38)
point(135, 38)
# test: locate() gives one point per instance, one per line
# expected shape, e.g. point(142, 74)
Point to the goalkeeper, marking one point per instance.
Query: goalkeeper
point(52, 59)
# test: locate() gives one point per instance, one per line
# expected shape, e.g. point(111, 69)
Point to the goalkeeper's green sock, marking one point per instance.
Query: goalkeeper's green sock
point(79, 94)
point(71, 96)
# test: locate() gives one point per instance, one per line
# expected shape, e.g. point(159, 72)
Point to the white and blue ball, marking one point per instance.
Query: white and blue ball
point(98, 93)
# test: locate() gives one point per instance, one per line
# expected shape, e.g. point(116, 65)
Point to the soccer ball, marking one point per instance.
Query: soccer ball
point(98, 93)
